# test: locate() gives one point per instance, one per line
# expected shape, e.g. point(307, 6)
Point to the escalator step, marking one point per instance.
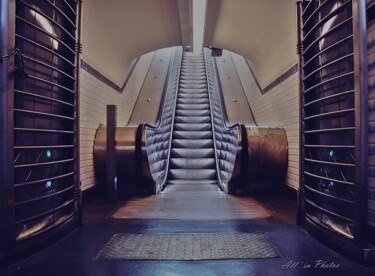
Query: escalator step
point(192, 143)
point(181, 112)
point(192, 182)
point(201, 91)
point(195, 78)
point(193, 106)
point(193, 163)
point(192, 101)
point(192, 174)
point(192, 135)
point(193, 127)
point(192, 157)
point(189, 153)
point(192, 119)
point(194, 86)
point(185, 95)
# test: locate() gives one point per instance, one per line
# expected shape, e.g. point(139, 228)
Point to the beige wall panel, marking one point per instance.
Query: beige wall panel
point(149, 99)
point(264, 31)
point(116, 32)
point(95, 96)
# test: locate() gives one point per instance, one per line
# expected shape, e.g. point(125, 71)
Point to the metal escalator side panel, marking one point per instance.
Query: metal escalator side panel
point(158, 138)
point(227, 157)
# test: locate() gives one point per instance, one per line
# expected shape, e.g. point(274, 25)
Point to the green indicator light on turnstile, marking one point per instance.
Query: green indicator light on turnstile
point(331, 153)
point(48, 184)
point(49, 153)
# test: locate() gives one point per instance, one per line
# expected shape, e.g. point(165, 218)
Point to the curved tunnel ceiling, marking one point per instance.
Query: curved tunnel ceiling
point(263, 31)
point(116, 32)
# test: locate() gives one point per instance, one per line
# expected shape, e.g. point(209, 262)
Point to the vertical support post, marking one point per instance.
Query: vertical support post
point(361, 120)
point(78, 50)
point(111, 173)
point(301, 191)
point(7, 44)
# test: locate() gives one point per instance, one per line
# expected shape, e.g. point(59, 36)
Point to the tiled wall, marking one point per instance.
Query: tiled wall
point(276, 108)
point(95, 96)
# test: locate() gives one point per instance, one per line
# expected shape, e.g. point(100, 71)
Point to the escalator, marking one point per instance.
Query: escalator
point(192, 142)
point(192, 157)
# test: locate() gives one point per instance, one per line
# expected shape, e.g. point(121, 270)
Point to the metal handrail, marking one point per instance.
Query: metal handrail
point(328, 195)
point(44, 179)
point(331, 146)
point(328, 81)
point(46, 49)
point(43, 97)
point(329, 212)
point(327, 65)
point(314, 12)
point(327, 49)
point(307, 7)
point(329, 163)
point(327, 33)
point(53, 6)
point(329, 97)
point(227, 127)
point(333, 113)
point(326, 18)
point(329, 179)
point(157, 126)
point(52, 36)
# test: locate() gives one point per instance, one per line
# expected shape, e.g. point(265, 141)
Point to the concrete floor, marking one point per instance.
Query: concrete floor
point(214, 212)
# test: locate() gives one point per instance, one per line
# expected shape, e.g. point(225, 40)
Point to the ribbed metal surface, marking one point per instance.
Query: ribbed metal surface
point(226, 139)
point(371, 119)
point(329, 114)
point(189, 246)
point(44, 115)
point(193, 154)
point(158, 138)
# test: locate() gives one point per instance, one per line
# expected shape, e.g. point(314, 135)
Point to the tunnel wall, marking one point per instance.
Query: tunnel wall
point(262, 31)
point(95, 95)
point(277, 107)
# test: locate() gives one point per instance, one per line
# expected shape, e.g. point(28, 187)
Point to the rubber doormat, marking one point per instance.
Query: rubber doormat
point(191, 246)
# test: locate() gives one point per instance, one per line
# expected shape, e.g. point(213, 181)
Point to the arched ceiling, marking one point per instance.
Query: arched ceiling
point(263, 31)
point(115, 32)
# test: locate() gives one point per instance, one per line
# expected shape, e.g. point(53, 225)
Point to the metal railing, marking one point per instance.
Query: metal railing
point(159, 136)
point(225, 136)
point(332, 112)
point(45, 112)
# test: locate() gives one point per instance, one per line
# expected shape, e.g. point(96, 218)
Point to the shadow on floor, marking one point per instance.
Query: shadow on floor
point(76, 253)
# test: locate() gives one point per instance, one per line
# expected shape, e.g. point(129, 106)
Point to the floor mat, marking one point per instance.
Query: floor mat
point(189, 246)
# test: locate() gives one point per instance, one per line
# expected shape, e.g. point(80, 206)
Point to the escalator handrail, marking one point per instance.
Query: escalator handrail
point(158, 125)
point(226, 127)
